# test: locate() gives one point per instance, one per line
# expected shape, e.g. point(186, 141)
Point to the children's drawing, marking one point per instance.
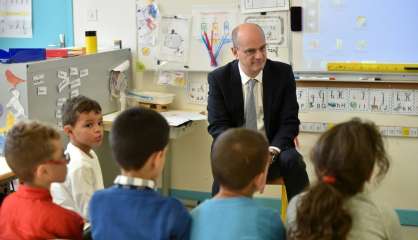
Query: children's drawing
point(197, 91)
point(147, 22)
point(172, 78)
point(216, 20)
point(174, 41)
point(15, 106)
point(175, 37)
point(12, 78)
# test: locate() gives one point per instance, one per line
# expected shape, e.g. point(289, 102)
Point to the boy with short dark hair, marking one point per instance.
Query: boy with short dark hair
point(35, 154)
point(132, 209)
point(239, 160)
point(83, 123)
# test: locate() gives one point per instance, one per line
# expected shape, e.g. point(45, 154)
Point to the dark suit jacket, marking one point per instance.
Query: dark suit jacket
point(226, 102)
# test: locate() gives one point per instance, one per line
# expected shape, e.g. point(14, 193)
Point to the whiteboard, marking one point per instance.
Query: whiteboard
point(374, 31)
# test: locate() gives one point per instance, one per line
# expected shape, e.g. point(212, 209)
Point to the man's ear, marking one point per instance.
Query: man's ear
point(234, 51)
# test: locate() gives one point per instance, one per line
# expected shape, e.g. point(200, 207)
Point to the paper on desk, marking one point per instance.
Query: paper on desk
point(176, 118)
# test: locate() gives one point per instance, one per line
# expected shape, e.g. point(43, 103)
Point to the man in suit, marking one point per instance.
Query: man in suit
point(257, 93)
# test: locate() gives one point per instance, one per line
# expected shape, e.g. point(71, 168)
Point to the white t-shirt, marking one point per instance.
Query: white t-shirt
point(371, 221)
point(84, 177)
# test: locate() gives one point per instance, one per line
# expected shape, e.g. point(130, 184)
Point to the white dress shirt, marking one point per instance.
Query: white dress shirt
point(84, 177)
point(258, 92)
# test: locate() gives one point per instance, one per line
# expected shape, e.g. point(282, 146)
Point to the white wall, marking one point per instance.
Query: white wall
point(191, 170)
point(114, 22)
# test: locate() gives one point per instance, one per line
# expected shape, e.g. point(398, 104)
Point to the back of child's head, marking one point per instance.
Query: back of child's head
point(238, 155)
point(29, 144)
point(344, 158)
point(136, 134)
point(73, 107)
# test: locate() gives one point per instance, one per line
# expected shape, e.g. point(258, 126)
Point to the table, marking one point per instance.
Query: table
point(178, 128)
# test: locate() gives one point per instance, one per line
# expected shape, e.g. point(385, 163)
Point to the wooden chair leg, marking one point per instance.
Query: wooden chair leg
point(284, 204)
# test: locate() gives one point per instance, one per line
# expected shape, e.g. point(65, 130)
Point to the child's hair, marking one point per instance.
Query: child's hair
point(74, 106)
point(344, 158)
point(238, 155)
point(28, 144)
point(136, 134)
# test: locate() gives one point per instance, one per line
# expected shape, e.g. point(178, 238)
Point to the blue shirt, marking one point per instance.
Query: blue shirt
point(235, 218)
point(129, 213)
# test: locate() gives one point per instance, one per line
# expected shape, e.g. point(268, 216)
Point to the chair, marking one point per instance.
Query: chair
point(284, 201)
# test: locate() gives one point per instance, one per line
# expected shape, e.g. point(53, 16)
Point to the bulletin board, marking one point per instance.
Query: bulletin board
point(49, 19)
point(202, 15)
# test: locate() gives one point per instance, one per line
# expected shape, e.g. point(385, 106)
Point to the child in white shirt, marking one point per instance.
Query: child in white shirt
point(83, 123)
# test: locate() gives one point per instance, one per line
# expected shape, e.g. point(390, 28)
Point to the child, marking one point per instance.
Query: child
point(132, 209)
point(82, 121)
point(338, 206)
point(34, 152)
point(240, 159)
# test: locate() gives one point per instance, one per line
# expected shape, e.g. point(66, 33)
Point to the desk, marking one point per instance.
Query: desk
point(6, 173)
point(175, 132)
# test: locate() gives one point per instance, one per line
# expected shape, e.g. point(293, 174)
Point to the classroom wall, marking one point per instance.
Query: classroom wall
point(190, 168)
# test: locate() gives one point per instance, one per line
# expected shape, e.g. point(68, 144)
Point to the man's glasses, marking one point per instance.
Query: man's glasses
point(65, 159)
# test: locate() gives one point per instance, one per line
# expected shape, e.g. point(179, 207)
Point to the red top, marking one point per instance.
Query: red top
point(30, 213)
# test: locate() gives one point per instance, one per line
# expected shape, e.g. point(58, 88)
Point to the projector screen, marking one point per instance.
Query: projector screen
point(376, 31)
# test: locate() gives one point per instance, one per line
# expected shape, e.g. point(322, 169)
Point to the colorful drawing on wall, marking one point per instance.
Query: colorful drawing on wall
point(12, 78)
point(10, 121)
point(15, 106)
point(216, 20)
point(14, 109)
point(147, 22)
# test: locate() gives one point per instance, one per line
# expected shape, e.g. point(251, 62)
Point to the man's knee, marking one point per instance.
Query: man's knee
point(291, 159)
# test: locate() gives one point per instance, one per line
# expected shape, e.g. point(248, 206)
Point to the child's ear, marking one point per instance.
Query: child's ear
point(41, 171)
point(157, 158)
point(68, 129)
point(260, 181)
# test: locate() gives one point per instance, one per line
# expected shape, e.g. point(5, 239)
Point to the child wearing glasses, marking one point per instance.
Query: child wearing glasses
point(35, 154)
point(82, 121)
